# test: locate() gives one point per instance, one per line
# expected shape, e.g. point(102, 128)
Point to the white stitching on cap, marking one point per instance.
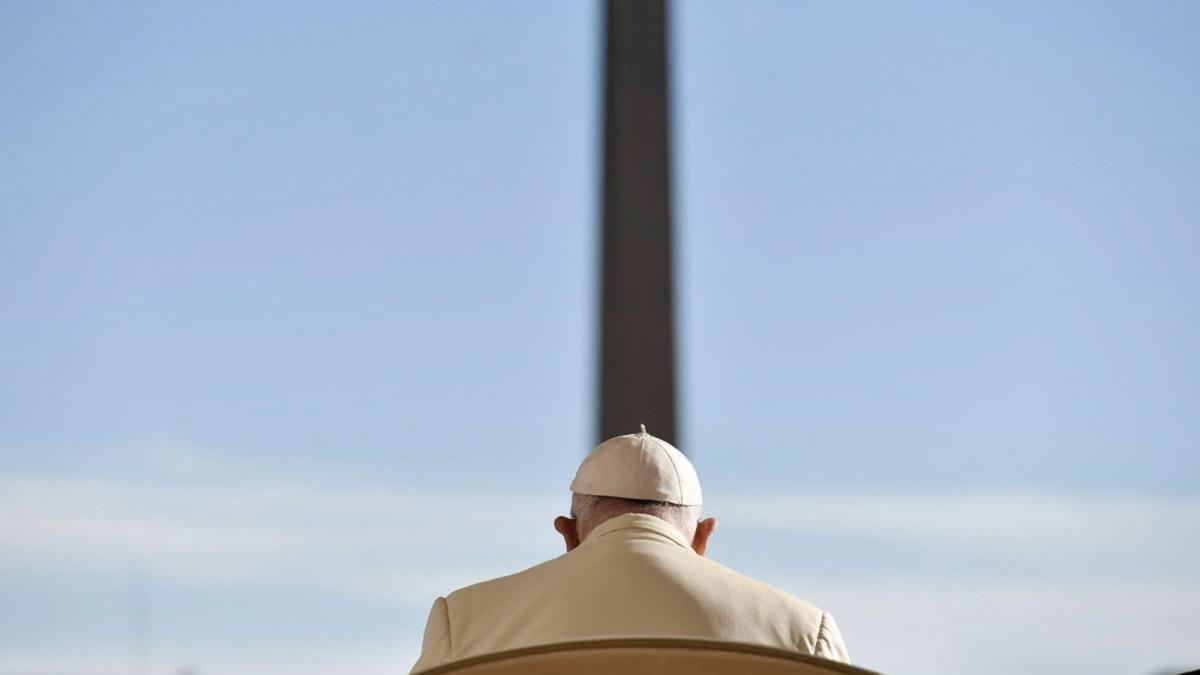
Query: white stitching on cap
point(637, 476)
point(678, 479)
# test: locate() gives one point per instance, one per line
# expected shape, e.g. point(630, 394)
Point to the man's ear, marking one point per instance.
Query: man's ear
point(704, 530)
point(567, 528)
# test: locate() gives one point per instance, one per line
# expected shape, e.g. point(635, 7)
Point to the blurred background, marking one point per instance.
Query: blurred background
point(299, 308)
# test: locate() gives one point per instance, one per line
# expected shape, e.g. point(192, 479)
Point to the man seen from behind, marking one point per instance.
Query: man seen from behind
point(635, 566)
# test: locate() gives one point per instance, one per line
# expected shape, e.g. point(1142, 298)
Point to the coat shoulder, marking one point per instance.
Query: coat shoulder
point(504, 585)
point(807, 615)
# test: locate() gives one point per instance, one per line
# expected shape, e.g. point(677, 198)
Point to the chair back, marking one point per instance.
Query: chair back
point(646, 656)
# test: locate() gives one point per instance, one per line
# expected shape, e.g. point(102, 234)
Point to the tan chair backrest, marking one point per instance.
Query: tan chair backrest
point(646, 656)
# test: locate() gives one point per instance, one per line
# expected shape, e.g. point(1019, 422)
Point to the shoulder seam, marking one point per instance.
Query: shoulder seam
point(449, 632)
point(820, 632)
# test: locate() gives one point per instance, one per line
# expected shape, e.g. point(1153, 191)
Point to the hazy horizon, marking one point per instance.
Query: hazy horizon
point(300, 304)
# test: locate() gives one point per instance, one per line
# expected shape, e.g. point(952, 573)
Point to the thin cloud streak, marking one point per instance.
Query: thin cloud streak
point(1000, 628)
point(303, 531)
point(361, 542)
point(1117, 572)
point(1017, 535)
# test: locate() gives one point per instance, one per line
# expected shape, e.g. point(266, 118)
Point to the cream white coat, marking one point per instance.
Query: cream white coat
point(634, 576)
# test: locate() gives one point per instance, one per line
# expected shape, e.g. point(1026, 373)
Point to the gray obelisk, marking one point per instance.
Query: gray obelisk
point(637, 334)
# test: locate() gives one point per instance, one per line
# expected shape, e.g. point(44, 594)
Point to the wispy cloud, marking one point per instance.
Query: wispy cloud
point(1021, 535)
point(366, 659)
point(977, 626)
point(1106, 583)
point(360, 541)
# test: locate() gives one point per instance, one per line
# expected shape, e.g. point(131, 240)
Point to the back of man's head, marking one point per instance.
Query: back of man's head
point(636, 473)
point(589, 511)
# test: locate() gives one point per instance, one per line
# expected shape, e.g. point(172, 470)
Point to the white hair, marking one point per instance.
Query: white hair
point(590, 511)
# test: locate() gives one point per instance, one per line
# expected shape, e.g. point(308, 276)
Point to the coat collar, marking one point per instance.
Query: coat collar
point(637, 523)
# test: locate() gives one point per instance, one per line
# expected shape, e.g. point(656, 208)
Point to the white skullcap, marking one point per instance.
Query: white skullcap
point(638, 466)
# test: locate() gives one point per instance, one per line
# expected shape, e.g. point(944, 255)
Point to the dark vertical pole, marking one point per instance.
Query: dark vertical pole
point(637, 353)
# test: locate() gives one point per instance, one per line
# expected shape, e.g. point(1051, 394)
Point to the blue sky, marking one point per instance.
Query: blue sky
point(292, 292)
